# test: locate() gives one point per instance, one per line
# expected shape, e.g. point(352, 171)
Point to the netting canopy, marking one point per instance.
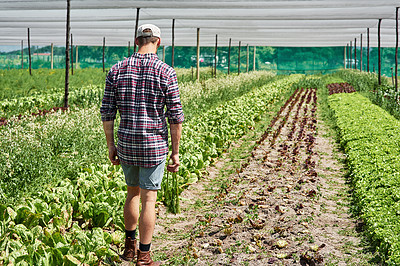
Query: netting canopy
point(309, 23)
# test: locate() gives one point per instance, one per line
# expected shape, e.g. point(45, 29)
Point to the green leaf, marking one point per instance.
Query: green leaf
point(70, 260)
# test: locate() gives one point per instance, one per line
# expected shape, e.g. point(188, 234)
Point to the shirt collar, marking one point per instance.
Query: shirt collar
point(144, 56)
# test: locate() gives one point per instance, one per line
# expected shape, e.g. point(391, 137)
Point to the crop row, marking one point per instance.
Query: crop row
point(342, 87)
point(370, 137)
point(206, 137)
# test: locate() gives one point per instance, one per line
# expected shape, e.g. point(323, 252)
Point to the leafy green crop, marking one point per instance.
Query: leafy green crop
point(370, 137)
point(71, 223)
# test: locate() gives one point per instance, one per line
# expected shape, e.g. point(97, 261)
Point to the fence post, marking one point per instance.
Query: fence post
point(216, 55)
point(254, 59)
point(66, 93)
point(52, 56)
point(198, 55)
point(72, 56)
point(104, 50)
point(239, 58)
point(229, 56)
point(379, 51)
point(136, 27)
point(29, 52)
point(22, 54)
point(173, 42)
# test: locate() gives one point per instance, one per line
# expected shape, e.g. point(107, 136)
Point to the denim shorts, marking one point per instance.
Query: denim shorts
point(146, 178)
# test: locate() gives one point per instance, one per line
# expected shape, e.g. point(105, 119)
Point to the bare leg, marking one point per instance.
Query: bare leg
point(131, 208)
point(147, 216)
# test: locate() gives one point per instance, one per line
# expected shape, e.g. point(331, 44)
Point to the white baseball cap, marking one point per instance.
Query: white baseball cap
point(142, 31)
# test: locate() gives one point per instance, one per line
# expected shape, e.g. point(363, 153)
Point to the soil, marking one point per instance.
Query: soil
point(288, 203)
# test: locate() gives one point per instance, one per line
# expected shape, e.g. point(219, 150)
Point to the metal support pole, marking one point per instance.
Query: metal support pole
point(367, 49)
point(397, 48)
point(29, 51)
point(76, 57)
point(347, 57)
point(173, 43)
point(104, 51)
point(247, 59)
point(198, 55)
point(52, 56)
point(229, 56)
point(66, 93)
point(361, 53)
point(254, 59)
point(355, 53)
point(344, 57)
point(136, 27)
point(163, 53)
point(72, 56)
point(379, 51)
point(240, 43)
point(216, 56)
point(22, 54)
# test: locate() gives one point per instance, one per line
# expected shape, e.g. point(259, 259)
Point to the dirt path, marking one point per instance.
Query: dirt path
point(286, 205)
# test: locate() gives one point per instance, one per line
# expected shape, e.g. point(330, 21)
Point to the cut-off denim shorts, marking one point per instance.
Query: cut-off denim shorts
point(146, 178)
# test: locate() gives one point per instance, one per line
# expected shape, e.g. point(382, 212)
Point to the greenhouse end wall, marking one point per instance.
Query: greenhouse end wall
point(283, 60)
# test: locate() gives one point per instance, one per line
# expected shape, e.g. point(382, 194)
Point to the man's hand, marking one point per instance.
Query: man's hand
point(173, 163)
point(112, 155)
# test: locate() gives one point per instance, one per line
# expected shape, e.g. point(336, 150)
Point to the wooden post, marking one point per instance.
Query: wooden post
point(129, 48)
point(379, 51)
point(392, 76)
point(240, 43)
point(136, 27)
point(104, 50)
point(198, 55)
point(67, 55)
point(247, 59)
point(355, 53)
point(367, 49)
point(216, 56)
point(76, 57)
point(173, 43)
point(163, 53)
point(22, 54)
point(351, 55)
point(254, 59)
point(397, 48)
point(361, 54)
point(29, 51)
point(229, 56)
point(72, 56)
point(52, 56)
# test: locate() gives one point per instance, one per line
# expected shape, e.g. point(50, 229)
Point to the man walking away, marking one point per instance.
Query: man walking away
point(140, 87)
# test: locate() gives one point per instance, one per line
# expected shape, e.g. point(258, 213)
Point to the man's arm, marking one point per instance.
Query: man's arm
point(108, 127)
point(176, 132)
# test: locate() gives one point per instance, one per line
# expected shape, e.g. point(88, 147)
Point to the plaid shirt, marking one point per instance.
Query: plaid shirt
point(140, 87)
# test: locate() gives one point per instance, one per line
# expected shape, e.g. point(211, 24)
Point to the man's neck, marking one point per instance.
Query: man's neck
point(147, 49)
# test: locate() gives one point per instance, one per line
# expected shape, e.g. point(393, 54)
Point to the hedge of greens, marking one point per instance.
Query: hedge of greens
point(384, 95)
point(370, 137)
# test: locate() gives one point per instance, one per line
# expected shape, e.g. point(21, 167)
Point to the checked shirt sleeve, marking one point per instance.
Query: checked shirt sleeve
point(108, 109)
point(173, 101)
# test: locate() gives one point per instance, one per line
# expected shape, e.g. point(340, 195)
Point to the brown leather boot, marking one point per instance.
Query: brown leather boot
point(143, 258)
point(130, 249)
